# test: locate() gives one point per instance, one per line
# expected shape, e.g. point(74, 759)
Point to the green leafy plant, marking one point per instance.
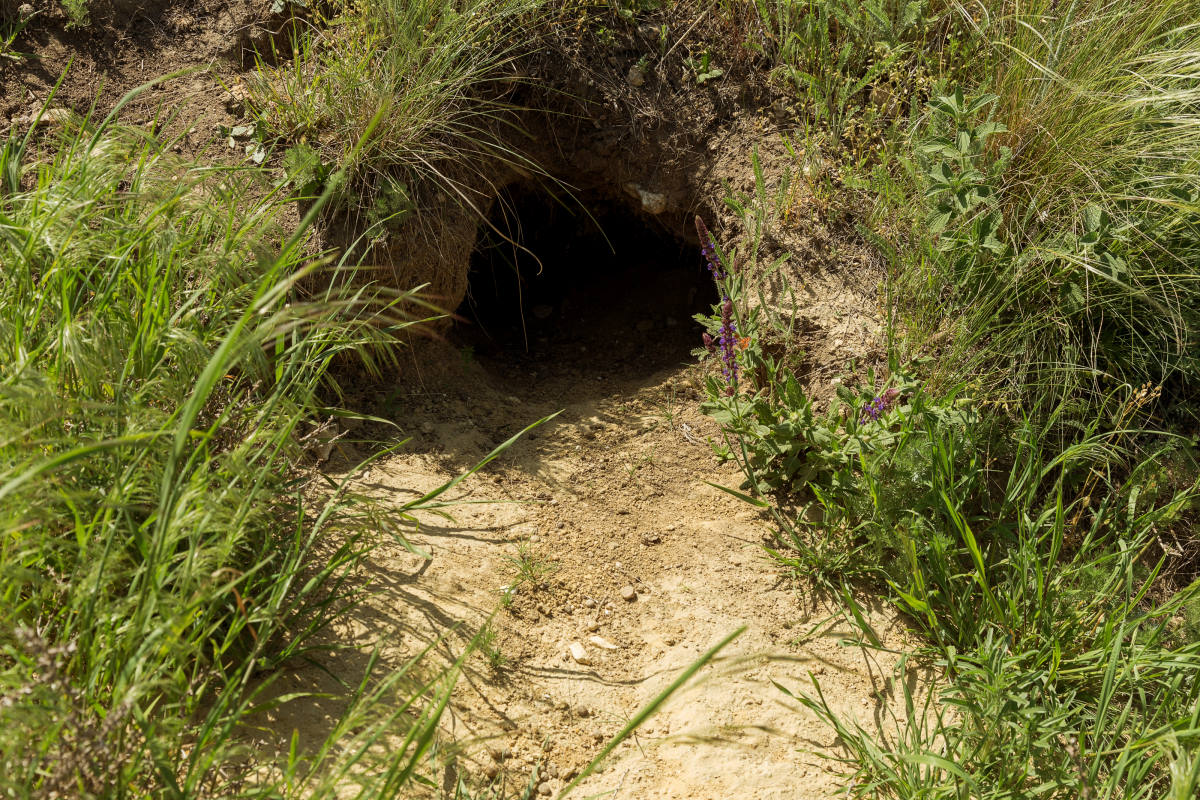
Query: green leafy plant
point(961, 172)
point(787, 445)
point(77, 12)
point(305, 170)
point(702, 69)
point(771, 426)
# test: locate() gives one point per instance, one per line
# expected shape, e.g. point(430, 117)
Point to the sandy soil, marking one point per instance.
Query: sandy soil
point(612, 493)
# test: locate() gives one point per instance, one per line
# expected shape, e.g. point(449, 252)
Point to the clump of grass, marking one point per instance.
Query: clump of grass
point(434, 72)
point(77, 12)
point(529, 569)
point(1060, 677)
point(1076, 269)
point(1074, 276)
point(855, 65)
point(157, 365)
point(486, 641)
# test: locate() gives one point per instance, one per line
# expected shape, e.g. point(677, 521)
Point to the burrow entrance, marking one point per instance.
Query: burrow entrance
point(585, 289)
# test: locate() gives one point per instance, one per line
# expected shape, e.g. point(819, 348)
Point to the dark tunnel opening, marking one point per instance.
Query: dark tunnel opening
point(585, 288)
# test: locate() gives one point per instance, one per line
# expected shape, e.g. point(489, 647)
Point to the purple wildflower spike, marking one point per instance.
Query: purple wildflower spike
point(875, 409)
point(709, 250)
point(727, 341)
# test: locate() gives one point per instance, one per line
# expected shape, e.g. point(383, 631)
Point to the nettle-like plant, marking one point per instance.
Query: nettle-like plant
point(962, 170)
point(785, 443)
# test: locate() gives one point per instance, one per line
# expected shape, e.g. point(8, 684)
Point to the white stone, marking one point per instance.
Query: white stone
point(652, 202)
point(579, 653)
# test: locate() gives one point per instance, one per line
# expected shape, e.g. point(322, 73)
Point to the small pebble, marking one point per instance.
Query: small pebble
point(602, 643)
point(593, 626)
point(545, 788)
point(628, 594)
point(568, 609)
point(582, 712)
point(579, 653)
point(589, 602)
point(535, 539)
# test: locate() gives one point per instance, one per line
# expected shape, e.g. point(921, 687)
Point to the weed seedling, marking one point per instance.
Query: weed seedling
point(486, 640)
point(530, 567)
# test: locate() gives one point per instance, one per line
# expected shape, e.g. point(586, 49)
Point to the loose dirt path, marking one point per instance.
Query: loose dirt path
point(611, 493)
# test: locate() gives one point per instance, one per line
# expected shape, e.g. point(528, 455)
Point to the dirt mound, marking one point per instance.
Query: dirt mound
point(656, 142)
